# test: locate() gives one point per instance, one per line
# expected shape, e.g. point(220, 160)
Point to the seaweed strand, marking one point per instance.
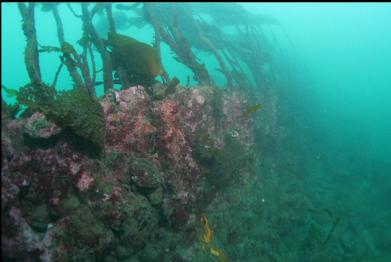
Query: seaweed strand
point(31, 53)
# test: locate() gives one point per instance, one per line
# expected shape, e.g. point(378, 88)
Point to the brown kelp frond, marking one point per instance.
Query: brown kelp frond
point(133, 56)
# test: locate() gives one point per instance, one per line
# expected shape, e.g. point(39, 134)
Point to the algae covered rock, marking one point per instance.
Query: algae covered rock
point(73, 109)
point(37, 216)
point(132, 221)
point(37, 126)
point(223, 166)
point(82, 114)
point(144, 173)
point(85, 236)
point(139, 220)
point(165, 160)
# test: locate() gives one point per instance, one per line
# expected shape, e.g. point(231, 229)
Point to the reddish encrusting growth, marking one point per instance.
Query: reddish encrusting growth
point(148, 168)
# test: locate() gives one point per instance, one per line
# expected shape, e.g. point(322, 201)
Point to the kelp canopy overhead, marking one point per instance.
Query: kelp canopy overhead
point(241, 54)
point(242, 51)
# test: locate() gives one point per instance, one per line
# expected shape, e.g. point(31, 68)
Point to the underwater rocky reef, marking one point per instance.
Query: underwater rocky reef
point(162, 163)
point(129, 163)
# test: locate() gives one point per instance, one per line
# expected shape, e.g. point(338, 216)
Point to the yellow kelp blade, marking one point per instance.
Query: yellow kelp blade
point(207, 238)
point(207, 242)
